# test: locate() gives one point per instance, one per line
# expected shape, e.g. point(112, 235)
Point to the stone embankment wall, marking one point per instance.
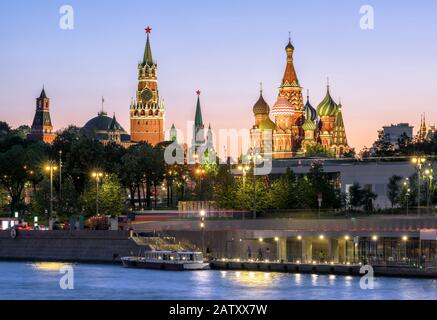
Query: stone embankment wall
point(77, 246)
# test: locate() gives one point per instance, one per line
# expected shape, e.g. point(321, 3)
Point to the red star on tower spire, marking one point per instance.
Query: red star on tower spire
point(148, 30)
point(198, 92)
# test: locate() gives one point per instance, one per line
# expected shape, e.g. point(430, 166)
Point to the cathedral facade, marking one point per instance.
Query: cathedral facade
point(147, 111)
point(291, 128)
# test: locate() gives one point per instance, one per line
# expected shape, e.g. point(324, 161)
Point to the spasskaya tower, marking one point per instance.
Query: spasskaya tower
point(147, 112)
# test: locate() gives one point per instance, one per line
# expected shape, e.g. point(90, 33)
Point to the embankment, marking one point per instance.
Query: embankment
point(73, 246)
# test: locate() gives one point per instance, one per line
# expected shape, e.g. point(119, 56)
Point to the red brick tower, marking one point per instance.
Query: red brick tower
point(147, 113)
point(42, 129)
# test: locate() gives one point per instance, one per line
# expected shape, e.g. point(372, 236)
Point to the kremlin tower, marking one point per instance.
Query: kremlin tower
point(147, 112)
point(42, 128)
point(297, 129)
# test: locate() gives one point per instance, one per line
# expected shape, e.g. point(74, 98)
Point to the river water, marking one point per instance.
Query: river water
point(23, 280)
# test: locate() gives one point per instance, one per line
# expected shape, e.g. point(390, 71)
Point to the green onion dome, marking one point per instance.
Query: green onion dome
point(310, 112)
point(261, 106)
point(309, 125)
point(327, 108)
point(267, 124)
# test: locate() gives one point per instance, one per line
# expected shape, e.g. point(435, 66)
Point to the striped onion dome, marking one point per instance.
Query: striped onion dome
point(282, 107)
point(267, 124)
point(309, 125)
point(310, 112)
point(261, 106)
point(328, 107)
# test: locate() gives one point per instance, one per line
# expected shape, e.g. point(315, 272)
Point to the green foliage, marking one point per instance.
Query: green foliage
point(394, 190)
point(111, 197)
point(316, 149)
point(286, 192)
point(361, 198)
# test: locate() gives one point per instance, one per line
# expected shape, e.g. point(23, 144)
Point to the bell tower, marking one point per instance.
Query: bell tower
point(147, 112)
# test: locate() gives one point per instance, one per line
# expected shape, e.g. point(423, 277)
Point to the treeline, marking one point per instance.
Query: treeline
point(289, 191)
point(127, 174)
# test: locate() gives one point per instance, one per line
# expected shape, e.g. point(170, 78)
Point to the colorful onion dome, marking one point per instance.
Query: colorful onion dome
point(261, 106)
point(310, 112)
point(267, 124)
point(327, 108)
point(282, 107)
point(309, 125)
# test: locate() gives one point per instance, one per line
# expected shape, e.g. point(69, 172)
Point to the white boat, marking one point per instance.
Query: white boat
point(167, 260)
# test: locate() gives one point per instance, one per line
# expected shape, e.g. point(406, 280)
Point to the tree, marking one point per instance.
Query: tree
point(316, 149)
point(382, 146)
point(394, 190)
point(84, 156)
point(112, 197)
point(320, 183)
point(225, 188)
point(284, 191)
point(361, 198)
point(22, 131)
point(5, 129)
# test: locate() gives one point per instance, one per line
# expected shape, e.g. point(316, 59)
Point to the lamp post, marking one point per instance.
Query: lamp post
point(202, 214)
point(429, 174)
point(60, 175)
point(97, 176)
point(51, 168)
point(418, 162)
point(254, 158)
point(408, 190)
point(200, 173)
point(244, 169)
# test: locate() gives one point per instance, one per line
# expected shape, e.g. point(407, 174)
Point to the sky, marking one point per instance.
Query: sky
point(225, 49)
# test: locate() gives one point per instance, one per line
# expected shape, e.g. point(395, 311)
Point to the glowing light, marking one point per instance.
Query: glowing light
point(49, 266)
point(346, 237)
point(405, 238)
point(299, 237)
point(202, 213)
point(321, 237)
point(276, 239)
point(260, 239)
point(374, 238)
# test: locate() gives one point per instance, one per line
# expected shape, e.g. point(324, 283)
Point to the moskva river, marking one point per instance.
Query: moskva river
point(22, 280)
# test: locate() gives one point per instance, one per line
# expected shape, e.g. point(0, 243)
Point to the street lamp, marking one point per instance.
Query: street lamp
point(97, 176)
point(418, 162)
point(51, 168)
point(200, 173)
point(202, 214)
point(408, 190)
point(429, 174)
point(254, 158)
point(60, 174)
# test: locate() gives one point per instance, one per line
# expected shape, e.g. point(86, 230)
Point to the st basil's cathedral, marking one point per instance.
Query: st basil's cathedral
point(297, 129)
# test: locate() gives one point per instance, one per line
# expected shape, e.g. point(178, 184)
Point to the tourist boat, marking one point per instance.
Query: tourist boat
point(167, 260)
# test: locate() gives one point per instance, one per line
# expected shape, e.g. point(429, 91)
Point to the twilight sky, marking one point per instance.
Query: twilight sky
point(224, 48)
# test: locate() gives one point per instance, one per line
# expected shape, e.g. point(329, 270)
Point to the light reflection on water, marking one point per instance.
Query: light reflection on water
point(19, 280)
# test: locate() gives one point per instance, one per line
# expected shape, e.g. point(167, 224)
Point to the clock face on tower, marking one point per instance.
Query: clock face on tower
point(147, 95)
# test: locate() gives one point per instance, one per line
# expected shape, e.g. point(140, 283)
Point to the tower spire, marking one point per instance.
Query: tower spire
point(198, 121)
point(290, 76)
point(148, 59)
